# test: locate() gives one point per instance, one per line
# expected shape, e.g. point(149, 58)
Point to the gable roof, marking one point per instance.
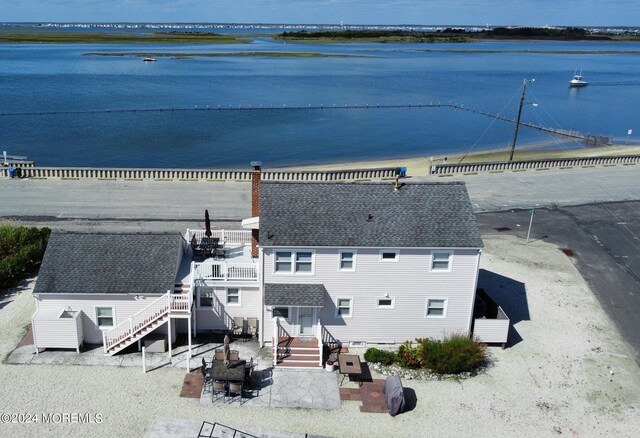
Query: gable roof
point(418, 215)
point(90, 263)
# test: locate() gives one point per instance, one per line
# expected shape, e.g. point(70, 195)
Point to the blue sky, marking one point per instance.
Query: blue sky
point(495, 12)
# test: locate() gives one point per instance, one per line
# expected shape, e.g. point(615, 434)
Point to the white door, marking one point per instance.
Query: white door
point(305, 320)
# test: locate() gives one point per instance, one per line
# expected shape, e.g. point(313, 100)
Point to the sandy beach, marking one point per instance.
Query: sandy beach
point(418, 166)
point(566, 372)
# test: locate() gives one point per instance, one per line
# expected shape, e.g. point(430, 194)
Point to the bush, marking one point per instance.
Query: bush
point(410, 356)
point(381, 356)
point(21, 251)
point(455, 354)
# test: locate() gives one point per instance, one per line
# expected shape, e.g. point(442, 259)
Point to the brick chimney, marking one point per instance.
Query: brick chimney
point(255, 204)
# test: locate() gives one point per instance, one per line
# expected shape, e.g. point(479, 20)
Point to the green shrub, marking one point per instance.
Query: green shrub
point(453, 355)
point(21, 251)
point(376, 355)
point(410, 356)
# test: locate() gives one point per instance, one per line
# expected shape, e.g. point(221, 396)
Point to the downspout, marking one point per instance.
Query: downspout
point(261, 292)
point(473, 295)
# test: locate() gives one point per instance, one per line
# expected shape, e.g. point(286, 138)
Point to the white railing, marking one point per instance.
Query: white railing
point(228, 237)
point(226, 271)
point(136, 322)
point(276, 340)
point(180, 302)
point(320, 345)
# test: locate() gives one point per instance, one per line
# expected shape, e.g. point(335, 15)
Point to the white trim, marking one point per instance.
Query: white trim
point(113, 316)
point(313, 319)
point(392, 306)
point(350, 307)
point(294, 262)
point(444, 308)
point(199, 295)
point(389, 251)
point(449, 261)
point(354, 255)
point(226, 297)
point(292, 248)
point(288, 318)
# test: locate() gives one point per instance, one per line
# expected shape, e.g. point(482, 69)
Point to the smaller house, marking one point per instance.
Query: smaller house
point(109, 289)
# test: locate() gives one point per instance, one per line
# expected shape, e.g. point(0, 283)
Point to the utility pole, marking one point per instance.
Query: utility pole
point(515, 136)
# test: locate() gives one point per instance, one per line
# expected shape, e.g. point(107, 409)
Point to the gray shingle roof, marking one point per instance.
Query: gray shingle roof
point(81, 263)
point(418, 215)
point(310, 295)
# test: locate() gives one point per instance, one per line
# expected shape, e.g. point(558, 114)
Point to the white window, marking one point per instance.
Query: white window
point(389, 256)
point(280, 312)
point(206, 297)
point(347, 260)
point(344, 307)
point(283, 261)
point(436, 308)
point(441, 260)
point(386, 303)
point(233, 297)
point(288, 262)
point(105, 316)
point(304, 262)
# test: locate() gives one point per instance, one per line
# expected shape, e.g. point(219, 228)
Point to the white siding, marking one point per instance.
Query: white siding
point(220, 316)
point(124, 306)
point(409, 281)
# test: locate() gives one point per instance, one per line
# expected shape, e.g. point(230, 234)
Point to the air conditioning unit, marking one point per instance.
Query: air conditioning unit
point(358, 344)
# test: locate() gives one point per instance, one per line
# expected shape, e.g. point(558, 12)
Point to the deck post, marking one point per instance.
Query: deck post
point(169, 334)
point(189, 353)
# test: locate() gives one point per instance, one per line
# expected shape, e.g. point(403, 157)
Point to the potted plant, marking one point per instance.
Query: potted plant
point(330, 365)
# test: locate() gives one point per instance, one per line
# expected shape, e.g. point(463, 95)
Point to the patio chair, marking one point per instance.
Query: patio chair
point(252, 327)
point(238, 326)
point(218, 355)
point(218, 390)
point(234, 355)
point(248, 377)
point(206, 374)
point(235, 389)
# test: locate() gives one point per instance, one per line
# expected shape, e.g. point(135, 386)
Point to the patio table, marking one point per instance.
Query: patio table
point(349, 365)
point(233, 373)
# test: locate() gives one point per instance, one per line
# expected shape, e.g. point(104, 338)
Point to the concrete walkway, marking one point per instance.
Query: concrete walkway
point(94, 356)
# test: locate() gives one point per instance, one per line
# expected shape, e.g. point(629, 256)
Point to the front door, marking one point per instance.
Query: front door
point(306, 321)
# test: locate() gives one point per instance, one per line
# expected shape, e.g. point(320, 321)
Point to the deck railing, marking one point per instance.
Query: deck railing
point(226, 271)
point(228, 237)
point(320, 344)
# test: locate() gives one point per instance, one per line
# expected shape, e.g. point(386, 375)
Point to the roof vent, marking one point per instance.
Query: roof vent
point(370, 218)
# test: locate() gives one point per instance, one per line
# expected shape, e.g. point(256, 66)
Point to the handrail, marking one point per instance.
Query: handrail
point(229, 237)
point(276, 340)
point(137, 321)
point(320, 344)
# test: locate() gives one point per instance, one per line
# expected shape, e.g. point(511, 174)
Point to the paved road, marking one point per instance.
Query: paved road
point(604, 237)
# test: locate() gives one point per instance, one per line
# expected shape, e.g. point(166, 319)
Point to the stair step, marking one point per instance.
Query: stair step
point(299, 364)
point(297, 351)
point(298, 358)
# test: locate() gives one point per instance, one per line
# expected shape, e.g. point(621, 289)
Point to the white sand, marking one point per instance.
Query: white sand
point(557, 379)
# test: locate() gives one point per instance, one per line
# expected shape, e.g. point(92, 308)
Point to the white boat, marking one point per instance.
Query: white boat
point(149, 59)
point(578, 81)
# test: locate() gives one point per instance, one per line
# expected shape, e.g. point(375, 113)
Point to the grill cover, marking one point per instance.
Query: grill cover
point(394, 394)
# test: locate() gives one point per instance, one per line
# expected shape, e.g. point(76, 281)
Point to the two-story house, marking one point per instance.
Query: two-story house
point(321, 263)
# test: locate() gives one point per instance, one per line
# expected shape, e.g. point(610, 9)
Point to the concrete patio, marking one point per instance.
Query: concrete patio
point(93, 355)
point(285, 388)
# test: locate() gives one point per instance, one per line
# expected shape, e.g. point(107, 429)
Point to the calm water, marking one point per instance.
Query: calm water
point(36, 78)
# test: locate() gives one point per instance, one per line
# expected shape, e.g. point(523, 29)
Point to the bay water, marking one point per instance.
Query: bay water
point(76, 88)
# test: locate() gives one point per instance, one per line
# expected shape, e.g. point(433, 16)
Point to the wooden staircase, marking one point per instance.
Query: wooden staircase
point(298, 352)
point(146, 320)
